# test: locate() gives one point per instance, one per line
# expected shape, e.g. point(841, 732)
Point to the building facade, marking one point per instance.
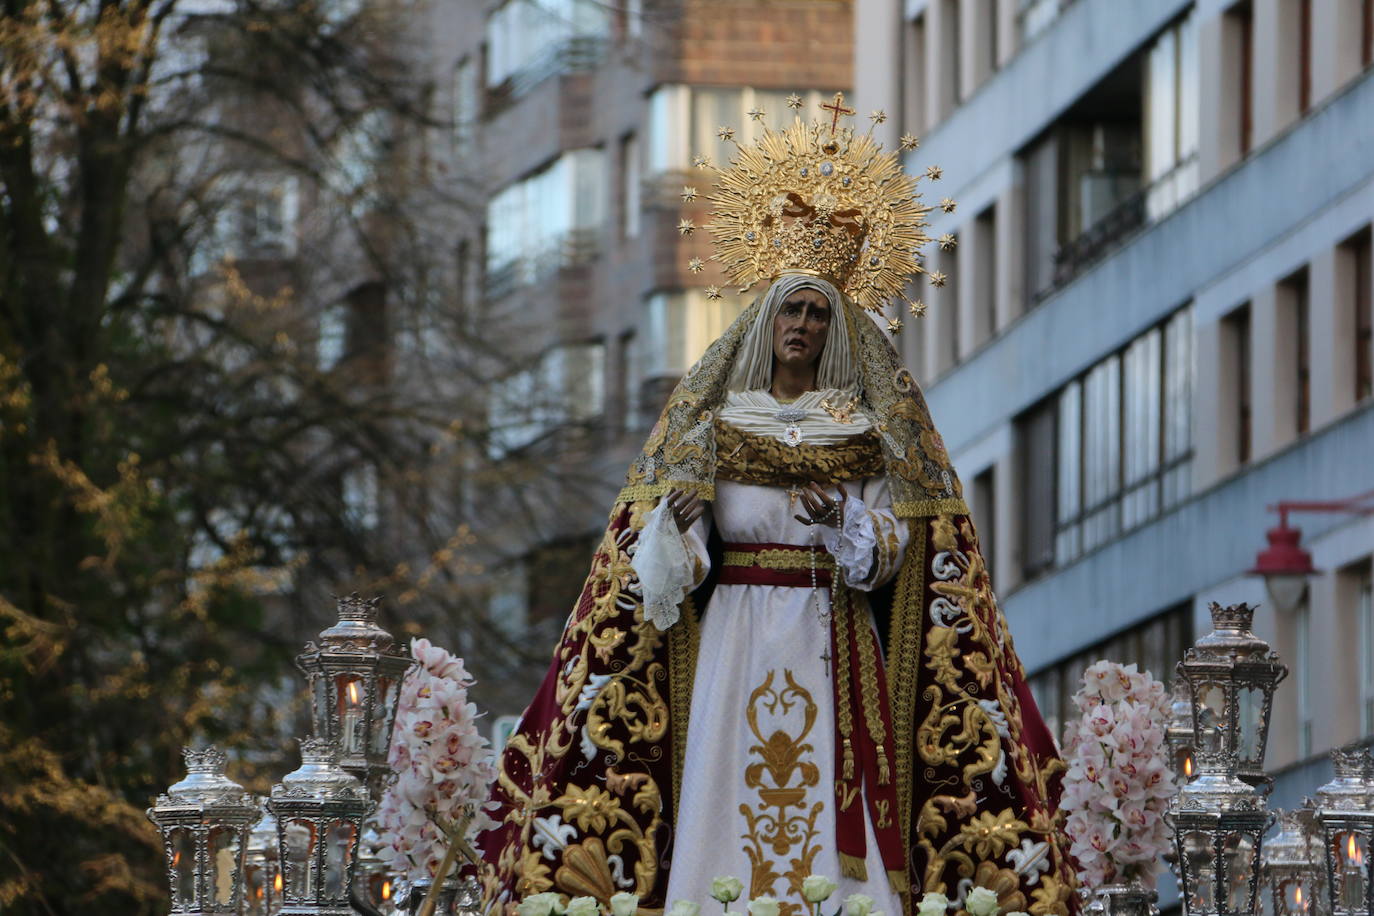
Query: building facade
point(577, 122)
point(1156, 321)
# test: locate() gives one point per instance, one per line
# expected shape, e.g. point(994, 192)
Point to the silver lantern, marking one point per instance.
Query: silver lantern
point(1219, 825)
point(354, 674)
point(1347, 824)
point(319, 810)
point(262, 881)
point(1231, 675)
point(204, 820)
point(1292, 867)
point(1178, 734)
point(373, 881)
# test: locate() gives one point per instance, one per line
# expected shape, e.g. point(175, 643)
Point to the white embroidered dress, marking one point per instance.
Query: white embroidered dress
point(758, 796)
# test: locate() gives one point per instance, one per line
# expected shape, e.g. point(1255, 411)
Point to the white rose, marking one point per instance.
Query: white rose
point(545, 904)
point(624, 904)
point(1018, 913)
point(933, 904)
point(858, 905)
point(981, 902)
point(583, 906)
point(763, 906)
point(685, 908)
point(816, 888)
point(726, 889)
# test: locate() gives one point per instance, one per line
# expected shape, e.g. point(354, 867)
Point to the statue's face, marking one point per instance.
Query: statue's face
point(800, 328)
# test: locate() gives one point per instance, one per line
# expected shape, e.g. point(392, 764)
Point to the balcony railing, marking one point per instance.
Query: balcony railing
point(582, 52)
point(1143, 208)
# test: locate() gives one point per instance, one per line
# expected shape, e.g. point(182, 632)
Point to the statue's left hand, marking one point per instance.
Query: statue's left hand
point(820, 508)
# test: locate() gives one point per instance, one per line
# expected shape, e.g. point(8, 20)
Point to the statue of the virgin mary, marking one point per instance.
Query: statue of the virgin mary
point(787, 659)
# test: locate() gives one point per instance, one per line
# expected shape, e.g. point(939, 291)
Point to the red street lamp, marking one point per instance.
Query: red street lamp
point(1284, 565)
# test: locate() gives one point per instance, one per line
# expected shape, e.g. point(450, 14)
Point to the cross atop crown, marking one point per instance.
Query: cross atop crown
point(837, 107)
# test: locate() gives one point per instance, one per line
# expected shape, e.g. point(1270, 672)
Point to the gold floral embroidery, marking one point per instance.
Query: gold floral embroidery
point(778, 558)
point(763, 460)
point(773, 826)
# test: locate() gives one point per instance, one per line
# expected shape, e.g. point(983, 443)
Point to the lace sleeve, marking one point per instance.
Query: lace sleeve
point(852, 543)
point(667, 565)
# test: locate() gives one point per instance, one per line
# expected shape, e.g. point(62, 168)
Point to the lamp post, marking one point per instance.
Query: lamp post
point(354, 674)
point(1231, 675)
point(204, 821)
point(319, 810)
point(1293, 866)
point(1347, 823)
point(1219, 825)
point(1284, 565)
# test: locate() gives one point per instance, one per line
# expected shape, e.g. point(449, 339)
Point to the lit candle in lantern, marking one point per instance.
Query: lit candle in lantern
point(352, 719)
point(386, 890)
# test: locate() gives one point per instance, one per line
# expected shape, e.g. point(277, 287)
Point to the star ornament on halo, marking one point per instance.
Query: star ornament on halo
point(917, 309)
point(713, 292)
point(686, 227)
point(937, 279)
point(755, 113)
point(877, 116)
point(689, 193)
point(934, 172)
point(696, 265)
point(701, 162)
point(794, 101)
point(947, 242)
point(947, 205)
point(725, 133)
point(908, 143)
point(894, 325)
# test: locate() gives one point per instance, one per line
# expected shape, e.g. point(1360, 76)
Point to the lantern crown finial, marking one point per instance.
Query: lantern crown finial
point(206, 760)
point(1352, 761)
point(1237, 617)
point(356, 607)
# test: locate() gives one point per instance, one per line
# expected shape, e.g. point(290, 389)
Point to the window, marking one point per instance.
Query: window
point(985, 275)
point(1304, 55)
point(626, 360)
point(914, 71)
point(1035, 16)
point(1367, 32)
point(1302, 670)
point(683, 121)
point(565, 385)
point(530, 39)
point(948, 84)
point(948, 344)
point(1236, 340)
point(630, 186)
point(465, 104)
point(679, 326)
point(1360, 251)
point(1036, 447)
point(1122, 440)
point(546, 221)
point(1240, 27)
point(1364, 623)
point(1171, 118)
point(1294, 300)
point(1154, 645)
point(361, 496)
point(332, 342)
point(985, 508)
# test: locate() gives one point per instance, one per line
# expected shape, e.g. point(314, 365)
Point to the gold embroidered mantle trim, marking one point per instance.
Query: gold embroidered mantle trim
point(779, 558)
point(747, 458)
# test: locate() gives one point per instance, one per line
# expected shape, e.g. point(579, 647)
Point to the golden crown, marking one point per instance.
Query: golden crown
point(821, 198)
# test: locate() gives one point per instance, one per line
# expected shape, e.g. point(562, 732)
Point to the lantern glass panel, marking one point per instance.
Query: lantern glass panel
point(1251, 706)
point(381, 725)
point(300, 854)
point(338, 845)
point(1295, 897)
point(1202, 869)
point(1239, 850)
point(1352, 852)
point(184, 865)
point(350, 697)
point(1211, 717)
point(255, 889)
point(224, 860)
point(319, 687)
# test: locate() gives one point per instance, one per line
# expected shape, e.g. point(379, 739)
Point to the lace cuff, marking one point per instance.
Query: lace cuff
point(665, 567)
point(852, 543)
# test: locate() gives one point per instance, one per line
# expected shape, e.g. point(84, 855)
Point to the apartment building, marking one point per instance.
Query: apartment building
point(579, 120)
point(1156, 321)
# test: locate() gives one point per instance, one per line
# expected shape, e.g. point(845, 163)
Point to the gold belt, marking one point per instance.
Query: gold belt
point(785, 558)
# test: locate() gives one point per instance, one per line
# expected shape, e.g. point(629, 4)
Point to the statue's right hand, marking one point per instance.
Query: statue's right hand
point(686, 508)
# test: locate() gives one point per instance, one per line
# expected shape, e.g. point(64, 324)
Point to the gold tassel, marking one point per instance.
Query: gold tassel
point(897, 880)
point(853, 867)
point(884, 771)
point(848, 760)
